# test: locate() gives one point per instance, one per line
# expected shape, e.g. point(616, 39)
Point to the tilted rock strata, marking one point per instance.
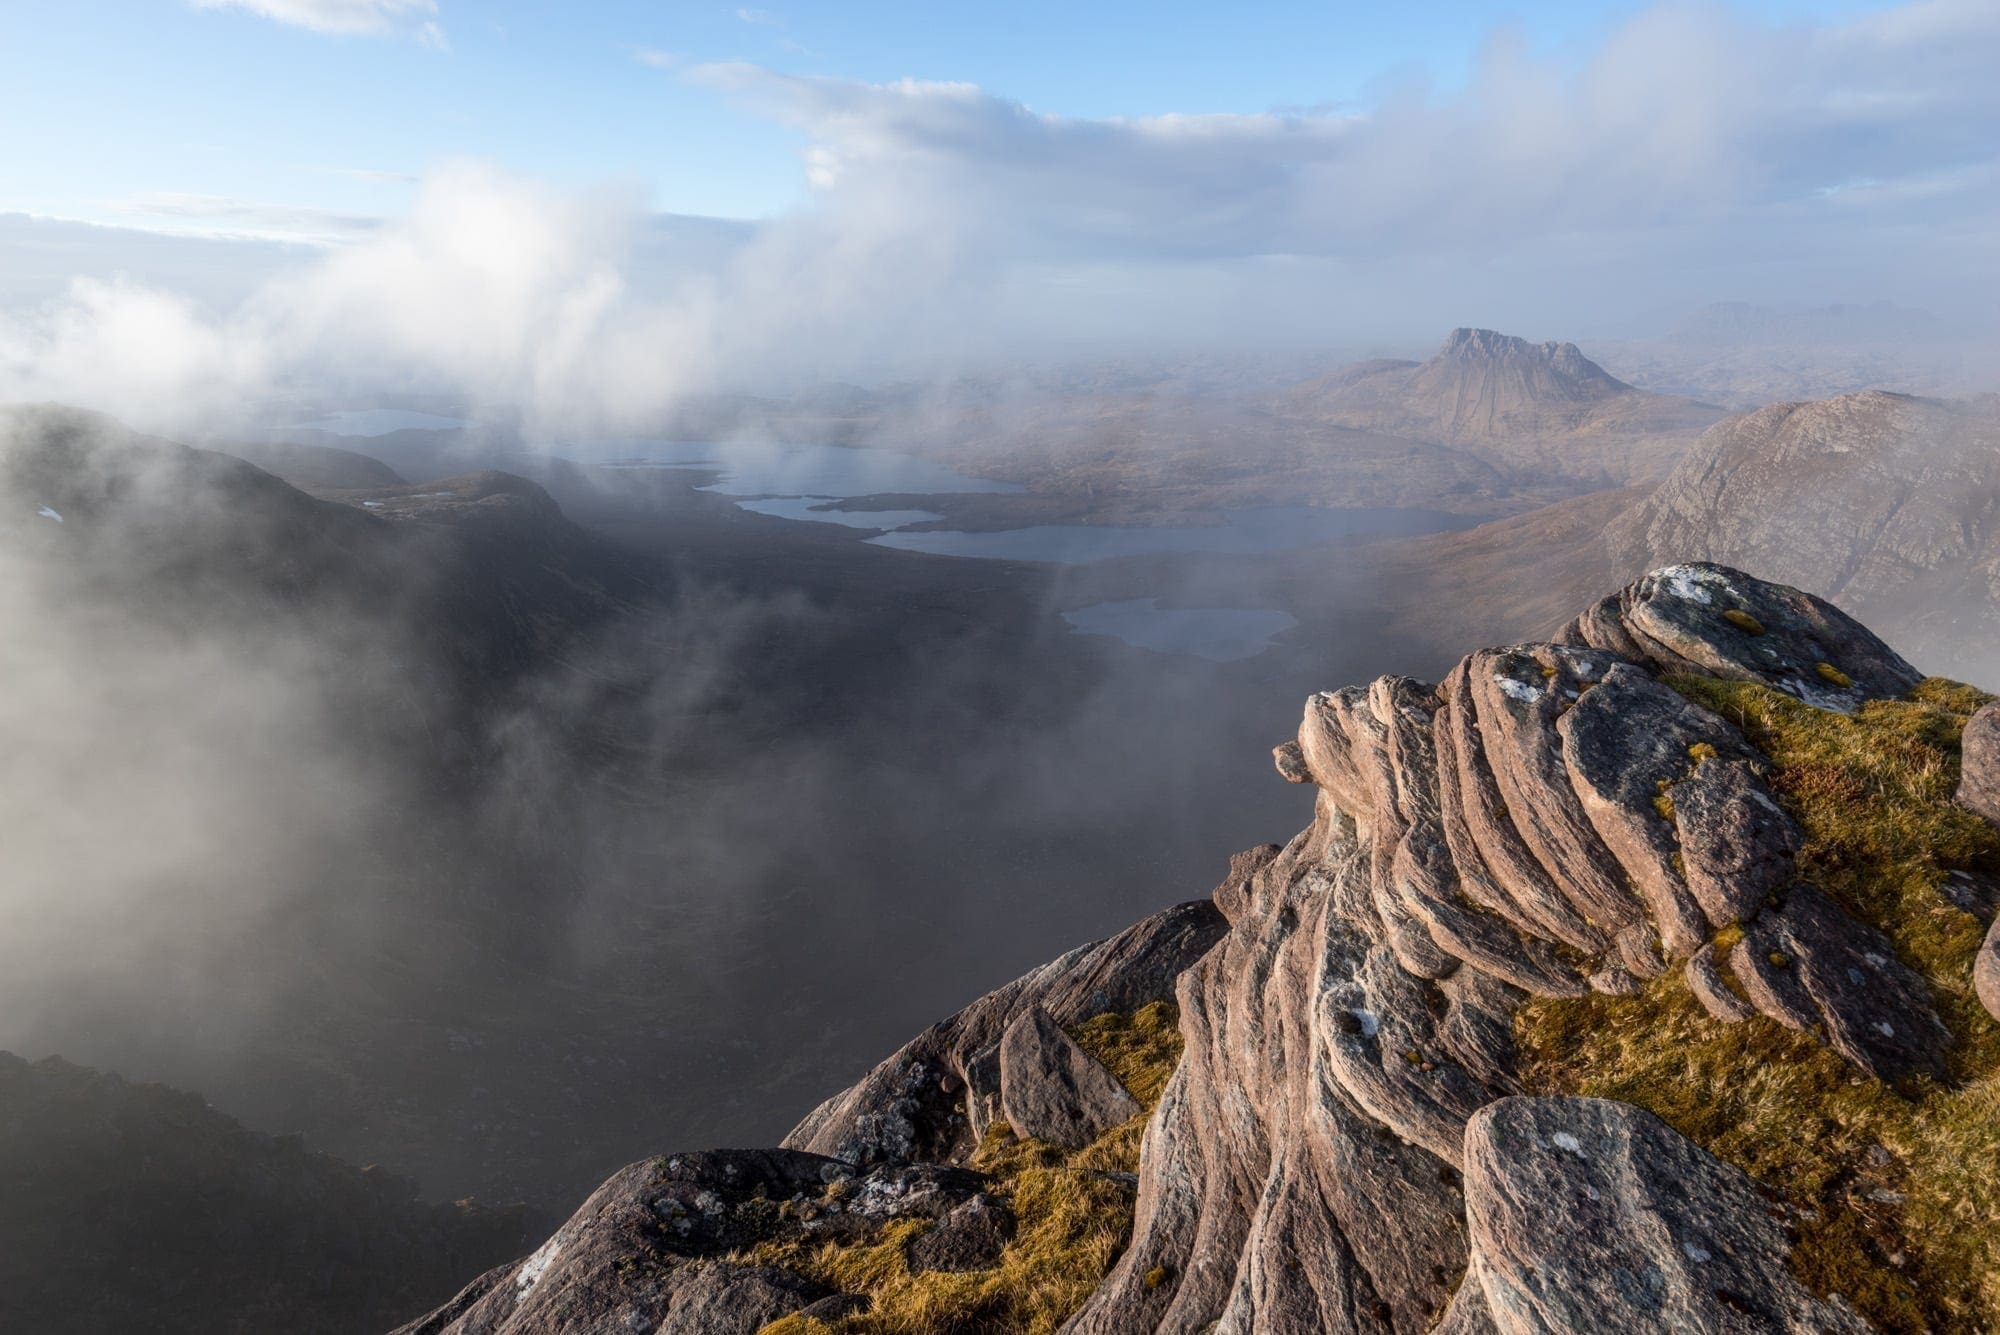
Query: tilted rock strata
point(1344, 1146)
point(1550, 818)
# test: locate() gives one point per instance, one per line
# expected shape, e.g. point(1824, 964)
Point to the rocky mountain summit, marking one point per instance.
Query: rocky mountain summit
point(1533, 408)
point(1622, 982)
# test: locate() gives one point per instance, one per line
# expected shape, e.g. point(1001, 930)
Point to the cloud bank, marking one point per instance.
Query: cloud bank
point(1694, 155)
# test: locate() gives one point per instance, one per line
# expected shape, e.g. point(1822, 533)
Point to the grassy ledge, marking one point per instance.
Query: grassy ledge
point(1895, 1195)
point(1074, 1217)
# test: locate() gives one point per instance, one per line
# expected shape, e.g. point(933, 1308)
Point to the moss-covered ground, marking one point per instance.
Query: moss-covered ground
point(1073, 1213)
point(1896, 1194)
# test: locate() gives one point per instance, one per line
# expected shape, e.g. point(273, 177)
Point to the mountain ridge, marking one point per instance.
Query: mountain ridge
point(1403, 1016)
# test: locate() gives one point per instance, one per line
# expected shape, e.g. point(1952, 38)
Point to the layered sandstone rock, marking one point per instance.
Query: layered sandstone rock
point(1346, 1145)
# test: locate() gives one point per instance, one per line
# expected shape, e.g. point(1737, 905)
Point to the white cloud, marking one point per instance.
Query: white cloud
point(347, 18)
point(1685, 118)
point(1691, 158)
point(761, 18)
point(659, 60)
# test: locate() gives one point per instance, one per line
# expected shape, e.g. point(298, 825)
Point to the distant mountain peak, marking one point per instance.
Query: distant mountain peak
point(1576, 376)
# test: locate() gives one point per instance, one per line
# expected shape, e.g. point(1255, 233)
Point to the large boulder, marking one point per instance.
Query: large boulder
point(1589, 1215)
point(1979, 780)
point(1051, 1089)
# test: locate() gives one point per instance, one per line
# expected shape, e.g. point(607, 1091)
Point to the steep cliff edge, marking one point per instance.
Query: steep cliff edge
point(1623, 982)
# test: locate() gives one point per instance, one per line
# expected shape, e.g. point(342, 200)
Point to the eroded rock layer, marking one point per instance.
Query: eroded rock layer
point(1346, 1144)
point(1552, 818)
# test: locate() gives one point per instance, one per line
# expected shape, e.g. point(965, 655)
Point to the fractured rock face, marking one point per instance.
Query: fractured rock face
point(1051, 1089)
point(1589, 1215)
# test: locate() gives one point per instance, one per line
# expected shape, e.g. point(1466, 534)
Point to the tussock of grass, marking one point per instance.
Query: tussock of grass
point(1899, 1203)
point(1074, 1218)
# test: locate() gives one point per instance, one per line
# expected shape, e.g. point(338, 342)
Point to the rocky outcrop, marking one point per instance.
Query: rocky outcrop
point(659, 1246)
point(1548, 820)
point(937, 1095)
point(1347, 1144)
point(1591, 1215)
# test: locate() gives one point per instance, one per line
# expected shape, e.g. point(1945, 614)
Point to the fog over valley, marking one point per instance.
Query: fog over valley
point(568, 587)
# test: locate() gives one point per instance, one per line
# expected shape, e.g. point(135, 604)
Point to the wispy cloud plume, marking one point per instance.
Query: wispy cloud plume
point(347, 18)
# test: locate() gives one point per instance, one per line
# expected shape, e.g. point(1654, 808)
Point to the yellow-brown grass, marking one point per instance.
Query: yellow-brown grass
point(1899, 1208)
point(1073, 1213)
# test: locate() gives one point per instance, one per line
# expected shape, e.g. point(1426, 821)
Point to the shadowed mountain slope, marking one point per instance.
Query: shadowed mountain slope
point(129, 1206)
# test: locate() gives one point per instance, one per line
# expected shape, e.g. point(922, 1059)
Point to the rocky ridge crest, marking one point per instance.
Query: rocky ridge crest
point(1352, 1139)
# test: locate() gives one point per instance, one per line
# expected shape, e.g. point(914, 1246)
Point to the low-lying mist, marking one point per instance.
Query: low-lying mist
point(363, 831)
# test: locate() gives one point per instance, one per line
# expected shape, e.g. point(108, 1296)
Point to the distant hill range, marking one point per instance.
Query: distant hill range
point(1885, 503)
point(1888, 504)
point(139, 1207)
point(1730, 323)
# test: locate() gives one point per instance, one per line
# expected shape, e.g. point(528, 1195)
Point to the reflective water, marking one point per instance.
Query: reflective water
point(1242, 532)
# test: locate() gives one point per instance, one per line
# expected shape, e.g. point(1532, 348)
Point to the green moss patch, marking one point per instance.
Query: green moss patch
point(1896, 1201)
point(1073, 1214)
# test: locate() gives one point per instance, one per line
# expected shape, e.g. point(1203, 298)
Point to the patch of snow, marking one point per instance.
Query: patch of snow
point(373, 505)
point(1856, 976)
point(1875, 959)
point(46, 513)
point(1518, 690)
point(536, 1266)
point(1886, 1029)
point(1591, 1192)
point(1565, 1141)
point(1370, 1024)
point(1697, 1254)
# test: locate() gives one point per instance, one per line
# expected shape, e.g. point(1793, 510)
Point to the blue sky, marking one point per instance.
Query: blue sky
point(121, 105)
point(206, 201)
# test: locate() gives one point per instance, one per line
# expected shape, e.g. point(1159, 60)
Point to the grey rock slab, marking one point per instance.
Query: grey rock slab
point(1738, 845)
point(1051, 1089)
point(971, 1237)
point(1590, 1215)
point(1810, 964)
point(1680, 618)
